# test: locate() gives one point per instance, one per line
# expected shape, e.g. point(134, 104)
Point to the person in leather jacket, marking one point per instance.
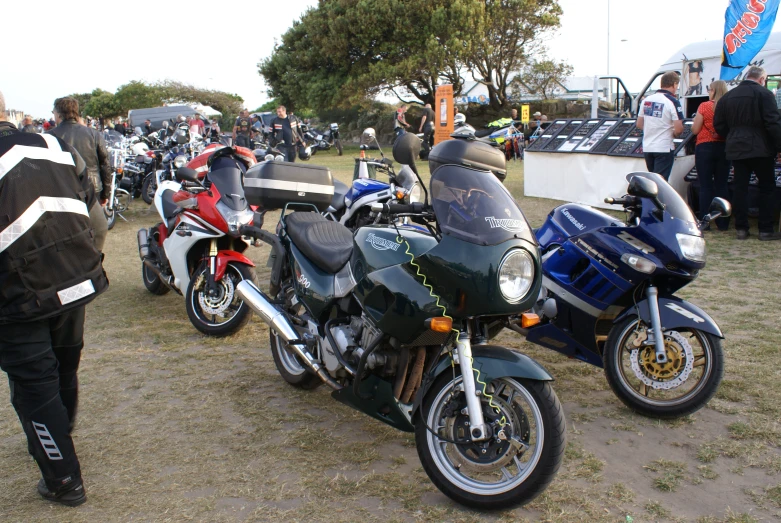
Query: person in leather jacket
point(92, 148)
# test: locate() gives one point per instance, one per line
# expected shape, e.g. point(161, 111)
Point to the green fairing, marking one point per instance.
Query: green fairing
point(466, 274)
point(382, 405)
point(318, 296)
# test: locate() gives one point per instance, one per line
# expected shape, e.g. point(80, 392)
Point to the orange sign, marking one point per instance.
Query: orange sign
point(443, 110)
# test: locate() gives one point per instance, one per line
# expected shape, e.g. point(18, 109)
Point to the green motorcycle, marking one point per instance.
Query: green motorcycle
point(397, 320)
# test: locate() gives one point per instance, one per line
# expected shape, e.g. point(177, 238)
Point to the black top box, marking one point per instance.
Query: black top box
point(474, 154)
point(272, 185)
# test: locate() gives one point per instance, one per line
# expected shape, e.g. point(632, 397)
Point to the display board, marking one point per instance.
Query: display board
point(443, 127)
point(565, 134)
point(577, 137)
point(685, 137)
point(598, 132)
point(548, 135)
point(616, 134)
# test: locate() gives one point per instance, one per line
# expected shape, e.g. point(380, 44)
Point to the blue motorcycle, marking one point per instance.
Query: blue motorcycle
point(608, 297)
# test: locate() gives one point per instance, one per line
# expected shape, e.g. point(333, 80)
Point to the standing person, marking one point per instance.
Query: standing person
point(215, 130)
point(710, 155)
point(197, 126)
point(27, 125)
point(427, 128)
point(92, 148)
point(242, 129)
point(661, 120)
point(120, 127)
point(748, 117)
point(147, 127)
point(50, 270)
point(400, 121)
point(285, 134)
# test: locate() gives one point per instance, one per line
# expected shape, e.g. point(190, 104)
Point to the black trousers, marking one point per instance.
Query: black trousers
point(660, 163)
point(428, 134)
point(242, 140)
point(713, 172)
point(289, 151)
point(764, 168)
point(41, 359)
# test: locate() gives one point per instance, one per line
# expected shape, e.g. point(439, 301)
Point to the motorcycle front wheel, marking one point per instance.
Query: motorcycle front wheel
point(223, 312)
point(111, 217)
point(149, 188)
point(679, 387)
point(338, 144)
point(509, 469)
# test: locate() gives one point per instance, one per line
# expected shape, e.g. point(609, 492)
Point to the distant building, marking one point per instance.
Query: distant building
point(572, 88)
point(14, 116)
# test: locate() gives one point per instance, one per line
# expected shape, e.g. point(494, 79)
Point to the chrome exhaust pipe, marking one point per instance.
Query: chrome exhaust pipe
point(163, 278)
point(277, 320)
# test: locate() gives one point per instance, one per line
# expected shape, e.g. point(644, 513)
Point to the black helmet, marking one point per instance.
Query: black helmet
point(304, 153)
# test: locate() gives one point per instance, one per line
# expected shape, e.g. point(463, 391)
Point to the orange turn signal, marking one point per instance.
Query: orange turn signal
point(440, 324)
point(529, 320)
point(399, 195)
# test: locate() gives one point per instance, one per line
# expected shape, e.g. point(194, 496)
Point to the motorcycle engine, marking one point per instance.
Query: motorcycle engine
point(351, 340)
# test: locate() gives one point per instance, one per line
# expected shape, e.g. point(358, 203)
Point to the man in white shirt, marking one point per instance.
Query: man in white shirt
point(661, 118)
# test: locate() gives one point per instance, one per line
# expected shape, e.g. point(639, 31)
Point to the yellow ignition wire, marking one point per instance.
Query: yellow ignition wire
point(400, 239)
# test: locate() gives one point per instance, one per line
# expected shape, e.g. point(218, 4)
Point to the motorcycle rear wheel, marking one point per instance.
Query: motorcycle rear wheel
point(494, 475)
point(149, 188)
point(290, 367)
point(692, 394)
point(234, 314)
point(152, 281)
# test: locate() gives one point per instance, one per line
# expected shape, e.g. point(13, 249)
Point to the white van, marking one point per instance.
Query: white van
point(700, 64)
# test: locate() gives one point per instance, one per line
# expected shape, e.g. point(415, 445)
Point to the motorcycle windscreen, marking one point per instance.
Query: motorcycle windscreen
point(475, 207)
point(674, 204)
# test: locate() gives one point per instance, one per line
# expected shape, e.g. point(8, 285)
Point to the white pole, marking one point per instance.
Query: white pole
point(595, 98)
point(608, 37)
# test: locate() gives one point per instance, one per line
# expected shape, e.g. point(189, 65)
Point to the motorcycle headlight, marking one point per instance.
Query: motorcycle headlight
point(415, 194)
point(235, 219)
point(180, 161)
point(692, 247)
point(516, 275)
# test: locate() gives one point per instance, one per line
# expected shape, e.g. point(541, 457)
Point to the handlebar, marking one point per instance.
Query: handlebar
point(399, 208)
point(626, 201)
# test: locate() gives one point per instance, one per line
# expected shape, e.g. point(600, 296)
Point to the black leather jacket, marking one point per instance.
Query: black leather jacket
point(748, 118)
point(92, 148)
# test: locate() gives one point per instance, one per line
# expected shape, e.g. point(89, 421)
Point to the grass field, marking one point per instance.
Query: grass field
point(174, 426)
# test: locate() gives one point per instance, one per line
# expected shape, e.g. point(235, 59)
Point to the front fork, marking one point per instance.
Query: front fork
point(652, 293)
point(210, 284)
point(463, 355)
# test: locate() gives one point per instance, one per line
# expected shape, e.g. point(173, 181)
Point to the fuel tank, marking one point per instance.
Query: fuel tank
point(364, 187)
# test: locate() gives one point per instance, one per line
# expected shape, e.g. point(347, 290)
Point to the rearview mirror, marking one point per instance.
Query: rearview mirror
point(643, 188)
point(720, 207)
point(187, 174)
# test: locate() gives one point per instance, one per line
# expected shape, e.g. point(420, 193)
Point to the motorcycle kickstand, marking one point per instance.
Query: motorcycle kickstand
point(477, 428)
point(652, 293)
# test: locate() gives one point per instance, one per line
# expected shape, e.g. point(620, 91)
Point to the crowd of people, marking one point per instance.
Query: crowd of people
point(738, 129)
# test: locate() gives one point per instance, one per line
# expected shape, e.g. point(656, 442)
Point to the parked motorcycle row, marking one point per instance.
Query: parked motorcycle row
point(139, 163)
point(392, 295)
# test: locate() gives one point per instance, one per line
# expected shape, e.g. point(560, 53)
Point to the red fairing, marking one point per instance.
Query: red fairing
point(225, 257)
point(207, 209)
point(199, 162)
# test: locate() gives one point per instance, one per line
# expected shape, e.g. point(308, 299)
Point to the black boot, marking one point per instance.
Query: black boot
point(71, 495)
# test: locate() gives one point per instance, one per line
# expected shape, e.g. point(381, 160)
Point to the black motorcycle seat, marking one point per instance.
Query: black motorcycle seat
point(325, 243)
point(340, 190)
point(170, 209)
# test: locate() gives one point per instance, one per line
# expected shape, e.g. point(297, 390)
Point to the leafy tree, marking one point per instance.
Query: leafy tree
point(83, 99)
point(511, 33)
point(268, 106)
point(137, 95)
point(542, 77)
point(102, 105)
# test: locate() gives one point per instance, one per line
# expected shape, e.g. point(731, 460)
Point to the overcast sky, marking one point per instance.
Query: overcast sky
point(54, 48)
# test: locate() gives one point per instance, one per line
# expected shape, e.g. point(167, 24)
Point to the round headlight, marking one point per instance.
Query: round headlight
point(179, 161)
point(415, 194)
point(516, 275)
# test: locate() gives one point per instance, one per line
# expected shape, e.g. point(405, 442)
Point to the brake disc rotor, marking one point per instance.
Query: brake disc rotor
point(668, 375)
point(217, 304)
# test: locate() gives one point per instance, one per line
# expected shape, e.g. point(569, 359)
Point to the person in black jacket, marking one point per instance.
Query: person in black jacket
point(285, 133)
point(748, 117)
point(92, 148)
point(49, 269)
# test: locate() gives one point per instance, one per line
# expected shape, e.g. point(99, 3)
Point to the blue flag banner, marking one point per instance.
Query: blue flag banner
point(746, 30)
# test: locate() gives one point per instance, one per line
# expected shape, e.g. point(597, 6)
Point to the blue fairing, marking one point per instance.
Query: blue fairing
point(362, 187)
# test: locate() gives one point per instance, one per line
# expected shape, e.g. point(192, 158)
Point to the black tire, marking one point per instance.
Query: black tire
point(148, 189)
point(338, 144)
point(152, 281)
point(663, 408)
point(551, 418)
point(111, 217)
point(290, 367)
point(241, 312)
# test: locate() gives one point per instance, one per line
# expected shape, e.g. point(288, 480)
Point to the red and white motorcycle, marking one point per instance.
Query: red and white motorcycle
point(197, 250)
